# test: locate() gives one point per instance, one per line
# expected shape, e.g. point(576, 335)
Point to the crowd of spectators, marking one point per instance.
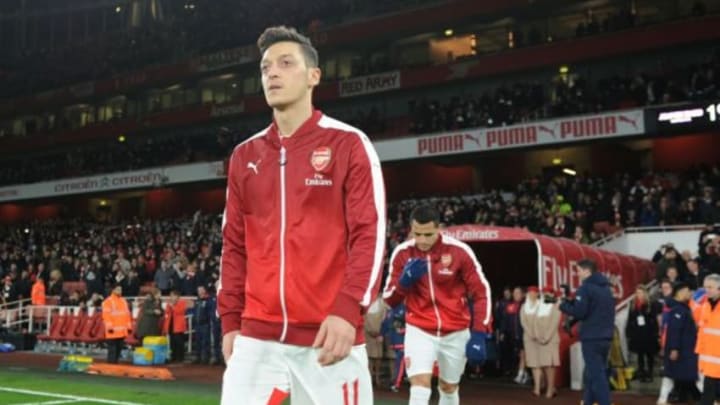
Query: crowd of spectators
point(184, 253)
point(177, 33)
point(584, 208)
point(567, 95)
point(175, 254)
point(182, 30)
point(505, 106)
point(115, 156)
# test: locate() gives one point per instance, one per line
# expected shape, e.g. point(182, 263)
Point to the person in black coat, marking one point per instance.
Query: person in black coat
point(594, 307)
point(642, 332)
point(680, 363)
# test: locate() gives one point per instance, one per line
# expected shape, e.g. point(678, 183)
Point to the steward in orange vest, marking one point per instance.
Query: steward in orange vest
point(118, 322)
point(37, 294)
point(708, 340)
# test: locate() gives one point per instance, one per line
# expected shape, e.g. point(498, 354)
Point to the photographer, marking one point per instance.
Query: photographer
point(594, 308)
point(665, 257)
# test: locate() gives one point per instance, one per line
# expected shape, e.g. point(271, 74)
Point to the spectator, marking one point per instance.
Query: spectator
point(151, 313)
point(56, 282)
point(205, 307)
point(37, 294)
point(540, 319)
point(164, 277)
point(373, 338)
point(696, 275)
point(680, 363)
point(594, 307)
point(175, 324)
point(9, 293)
point(511, 335)
point(642, 332)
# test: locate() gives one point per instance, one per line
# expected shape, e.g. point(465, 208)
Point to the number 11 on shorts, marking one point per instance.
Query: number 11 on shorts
point(350, 393)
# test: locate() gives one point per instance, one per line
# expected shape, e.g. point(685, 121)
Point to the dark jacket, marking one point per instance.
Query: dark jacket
point(642, 328)
point(681, 336)
point(594, 307)
point(205, 310)
point(149, 322)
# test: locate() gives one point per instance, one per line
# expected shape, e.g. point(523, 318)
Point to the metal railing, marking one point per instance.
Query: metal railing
point(18, 315)
point(11, 313)
point(644, 229)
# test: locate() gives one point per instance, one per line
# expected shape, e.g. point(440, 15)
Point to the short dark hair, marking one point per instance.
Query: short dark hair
point(588, 264)
point(425, 213)
point(679, 286)
point(281, 33)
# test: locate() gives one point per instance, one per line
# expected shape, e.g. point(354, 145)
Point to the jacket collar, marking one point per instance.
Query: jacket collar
point(307, 127)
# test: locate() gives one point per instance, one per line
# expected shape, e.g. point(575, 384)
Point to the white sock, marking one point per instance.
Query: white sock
point(449, 399)
point(700, 383)
point(665, 388)
point(419, 395)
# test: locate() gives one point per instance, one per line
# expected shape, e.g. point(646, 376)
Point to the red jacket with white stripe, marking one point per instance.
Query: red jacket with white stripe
point(303, 231)
point(437, 302)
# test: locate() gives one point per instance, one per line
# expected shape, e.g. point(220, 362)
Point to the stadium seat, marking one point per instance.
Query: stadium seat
point(71, 286)
point(57, 322)
point(96, 333)
point(75, 324)
point(80, 322)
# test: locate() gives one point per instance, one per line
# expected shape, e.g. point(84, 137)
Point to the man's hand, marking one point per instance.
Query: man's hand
point(335, 339)
point(476, 349)
point(412, 272)
point(227, 344)
point(674, 355)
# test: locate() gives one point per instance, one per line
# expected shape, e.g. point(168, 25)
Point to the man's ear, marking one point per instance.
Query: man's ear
point(314, 75)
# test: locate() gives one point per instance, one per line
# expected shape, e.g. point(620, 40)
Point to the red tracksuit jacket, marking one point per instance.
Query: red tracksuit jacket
point(303, 231)
point(437, 302)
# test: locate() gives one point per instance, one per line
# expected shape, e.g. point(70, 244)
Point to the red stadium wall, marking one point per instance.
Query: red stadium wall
point(686, 151)
point(13, 213)
point(171, 202)
point(425, 178)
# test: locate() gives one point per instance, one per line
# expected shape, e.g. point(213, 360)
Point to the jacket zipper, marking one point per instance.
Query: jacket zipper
point(283, 224)
point(432, 296)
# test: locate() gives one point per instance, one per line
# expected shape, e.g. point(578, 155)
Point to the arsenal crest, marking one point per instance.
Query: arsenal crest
point(446, 260)
point(320, 158)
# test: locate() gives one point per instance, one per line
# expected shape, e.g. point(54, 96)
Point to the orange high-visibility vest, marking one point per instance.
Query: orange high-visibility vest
point(37, 295)
point(708, 341)
point(116, 316)
point(177, 313)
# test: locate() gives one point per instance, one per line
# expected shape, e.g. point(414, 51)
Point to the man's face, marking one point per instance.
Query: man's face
point(683, 295)
point(713, 292)
point(517, 295)
point(666, 289)
point(117, 290)
point(583, 273)
point(672, 273)
point(286, 78)
point(692, 266)
point(425, 235)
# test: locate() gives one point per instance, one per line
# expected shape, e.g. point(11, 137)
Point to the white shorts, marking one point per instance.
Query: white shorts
point(422, 350)
point(264, 373)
